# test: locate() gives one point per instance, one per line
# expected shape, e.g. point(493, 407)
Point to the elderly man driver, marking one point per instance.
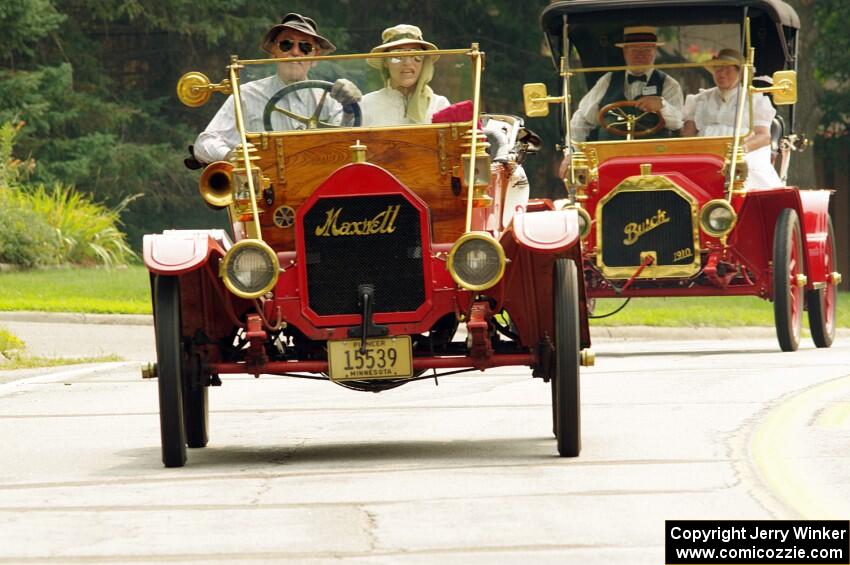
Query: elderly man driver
point(294, 37)
point(651, 89)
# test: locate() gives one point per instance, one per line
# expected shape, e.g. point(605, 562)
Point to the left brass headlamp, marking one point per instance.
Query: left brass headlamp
point(476, 261)
point(250, 268)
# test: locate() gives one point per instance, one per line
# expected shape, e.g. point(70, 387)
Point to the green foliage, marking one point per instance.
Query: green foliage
point(25, 23)
point(87, 232)
point(832, 62)
point(26, 239)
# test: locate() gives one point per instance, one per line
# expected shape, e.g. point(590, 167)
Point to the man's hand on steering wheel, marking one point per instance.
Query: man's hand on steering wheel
point(626, 118)
point(649, 103)
point(342, 89)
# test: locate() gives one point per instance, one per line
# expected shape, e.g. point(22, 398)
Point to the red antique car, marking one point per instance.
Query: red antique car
point(669, 213)
point(368, 256)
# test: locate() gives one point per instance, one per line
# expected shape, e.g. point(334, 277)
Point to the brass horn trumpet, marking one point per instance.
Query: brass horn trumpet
point(216, 184)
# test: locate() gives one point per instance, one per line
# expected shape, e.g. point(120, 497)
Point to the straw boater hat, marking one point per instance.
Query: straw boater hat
point(402, 34)
point(639, 35)
point(298, 23)
point(731, 55)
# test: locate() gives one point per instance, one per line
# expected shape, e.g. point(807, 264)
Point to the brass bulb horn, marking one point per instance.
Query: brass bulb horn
point(216, 184)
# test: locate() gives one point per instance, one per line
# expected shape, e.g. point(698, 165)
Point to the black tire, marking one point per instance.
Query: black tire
point(822, 302)
point(565, 383)
point(169, 370)
point(554, 388)
point(195, 409)
point(787, 264)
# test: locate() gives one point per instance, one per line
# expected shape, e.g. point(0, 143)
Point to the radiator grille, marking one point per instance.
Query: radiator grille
point(659, 221)
point(364, 240)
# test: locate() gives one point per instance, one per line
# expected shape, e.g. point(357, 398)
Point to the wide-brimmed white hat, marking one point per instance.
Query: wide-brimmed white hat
point(640, 35)
point(402, 34)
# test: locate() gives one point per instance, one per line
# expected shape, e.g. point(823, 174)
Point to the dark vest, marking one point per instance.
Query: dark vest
point(616, 92)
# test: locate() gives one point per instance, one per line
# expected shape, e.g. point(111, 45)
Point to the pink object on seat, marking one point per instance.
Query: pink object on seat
point(458, 112)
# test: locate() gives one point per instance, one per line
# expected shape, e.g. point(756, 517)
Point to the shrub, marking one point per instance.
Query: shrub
point(26, 239)
point(87, 231)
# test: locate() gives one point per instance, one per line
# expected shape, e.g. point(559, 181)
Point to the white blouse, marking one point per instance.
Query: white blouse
point(387, 107)
point(713, 111)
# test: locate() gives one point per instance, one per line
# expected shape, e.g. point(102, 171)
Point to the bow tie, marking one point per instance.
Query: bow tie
point(637, 78)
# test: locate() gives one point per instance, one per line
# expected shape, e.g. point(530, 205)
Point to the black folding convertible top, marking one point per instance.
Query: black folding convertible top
point(595, 25)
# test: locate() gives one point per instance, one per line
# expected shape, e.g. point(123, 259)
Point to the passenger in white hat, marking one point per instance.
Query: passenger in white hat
point(712, 112)
point(406, 97)
point(652, 89)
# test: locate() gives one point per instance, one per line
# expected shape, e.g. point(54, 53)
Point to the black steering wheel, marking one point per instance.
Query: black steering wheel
point(311, 122)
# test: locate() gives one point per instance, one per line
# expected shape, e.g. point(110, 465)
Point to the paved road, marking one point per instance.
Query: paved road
point(463, 472)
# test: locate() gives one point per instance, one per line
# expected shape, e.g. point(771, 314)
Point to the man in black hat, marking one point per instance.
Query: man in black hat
point(650, 89)
point(294, 37)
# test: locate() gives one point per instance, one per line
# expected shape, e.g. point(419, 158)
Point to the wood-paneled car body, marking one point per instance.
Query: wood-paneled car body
point(369, 256)
point(669, 215)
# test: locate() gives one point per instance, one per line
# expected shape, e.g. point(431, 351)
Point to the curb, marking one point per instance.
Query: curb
point(78, 318)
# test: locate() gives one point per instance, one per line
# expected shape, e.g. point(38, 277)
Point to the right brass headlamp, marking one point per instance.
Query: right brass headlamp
point(250, 268)
point(717, 217)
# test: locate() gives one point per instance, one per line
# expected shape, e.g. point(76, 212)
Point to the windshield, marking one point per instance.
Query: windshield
point(606, 98)
point(293, 95)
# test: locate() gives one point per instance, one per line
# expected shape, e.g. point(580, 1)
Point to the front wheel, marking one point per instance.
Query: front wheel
point(169, 370)
point(787, 274)
point(822, 301)
point(565, 382)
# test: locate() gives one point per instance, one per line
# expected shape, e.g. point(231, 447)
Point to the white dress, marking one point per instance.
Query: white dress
point(387, 107)
point(713, 113)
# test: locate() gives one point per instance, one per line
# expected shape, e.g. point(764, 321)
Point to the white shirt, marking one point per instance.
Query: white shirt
point(221, 134)
point(713, 112)
point(387, 107)
point(584, 119)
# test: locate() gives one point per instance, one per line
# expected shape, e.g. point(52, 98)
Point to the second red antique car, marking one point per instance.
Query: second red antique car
point(369, 257)
point(668, 214)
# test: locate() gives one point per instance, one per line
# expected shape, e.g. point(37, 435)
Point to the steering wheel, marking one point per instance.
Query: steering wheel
point(311, 122)
point(628, 119)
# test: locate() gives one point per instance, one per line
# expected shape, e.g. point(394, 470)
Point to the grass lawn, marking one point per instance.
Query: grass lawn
point(127, 291)
point(100, 291)
point(727, 311)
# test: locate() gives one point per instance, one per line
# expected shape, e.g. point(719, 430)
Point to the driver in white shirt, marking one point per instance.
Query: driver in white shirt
point(294, 37)
point(652, 90)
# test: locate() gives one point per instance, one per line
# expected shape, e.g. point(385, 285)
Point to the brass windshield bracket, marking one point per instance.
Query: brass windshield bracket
point(281, 169)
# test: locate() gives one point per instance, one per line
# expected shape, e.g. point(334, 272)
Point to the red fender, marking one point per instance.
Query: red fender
point(176, 252)
point(547, 231)
point(815, 228)
point(752, 238)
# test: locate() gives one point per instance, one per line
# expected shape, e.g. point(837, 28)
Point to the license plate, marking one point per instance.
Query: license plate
point(385, 358)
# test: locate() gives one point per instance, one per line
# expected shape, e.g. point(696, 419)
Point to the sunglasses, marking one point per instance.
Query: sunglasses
point(415, 58)
point(287, 44)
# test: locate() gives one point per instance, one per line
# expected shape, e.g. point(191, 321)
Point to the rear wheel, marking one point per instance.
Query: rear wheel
point(169, 370)
point(787, 268)
point(822, 301)
point(565, 383)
